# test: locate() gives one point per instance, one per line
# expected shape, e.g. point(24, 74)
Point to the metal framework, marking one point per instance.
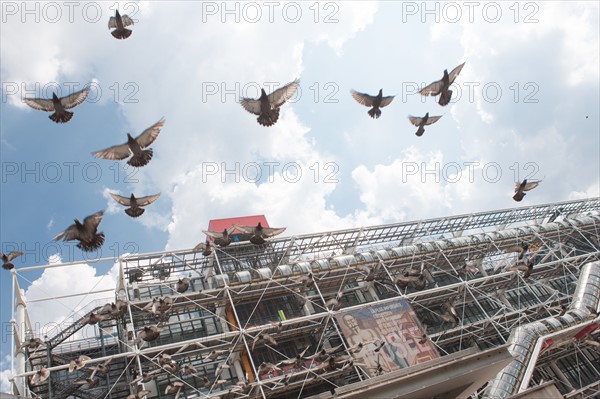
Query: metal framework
point(238, 291)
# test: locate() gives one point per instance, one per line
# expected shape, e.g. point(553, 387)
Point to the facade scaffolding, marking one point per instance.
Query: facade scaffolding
point(510, 297)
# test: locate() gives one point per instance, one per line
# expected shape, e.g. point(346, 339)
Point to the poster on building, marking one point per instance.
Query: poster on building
point(397, 325)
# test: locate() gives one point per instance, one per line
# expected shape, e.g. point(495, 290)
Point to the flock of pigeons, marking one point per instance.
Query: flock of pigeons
point(267, 109)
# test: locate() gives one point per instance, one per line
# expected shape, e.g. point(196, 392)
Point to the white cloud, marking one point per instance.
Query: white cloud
point(53, 312)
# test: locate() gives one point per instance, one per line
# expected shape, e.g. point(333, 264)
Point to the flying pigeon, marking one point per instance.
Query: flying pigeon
point(31, 344)
point(266, 368)
point(521, 266)
point(102, 368)
point(335, 302)
point(220, 368)
point(92, 319)
point(40, 376)
point(134, 146)
point(174, 387)
point(86, 233)
point(205, 247)
point(140, 393)
point(149, 333)
point(469, 267)
point(520, 188)
point(375, 102)
point(259, 233)
point(135, 204)
point(358, 347)
point(422, 122)
point(221, 239)
point(58, 105)
point(188, 369)
point(119, 23)
point(263, 338)
point(78, 363)
point(441, 87)
point(91, 382)
point(6, 259)
point(267, 106)
point(296, 361)
point(519, 248)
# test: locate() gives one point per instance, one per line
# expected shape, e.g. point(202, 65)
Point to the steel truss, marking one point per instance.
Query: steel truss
point(236, 291)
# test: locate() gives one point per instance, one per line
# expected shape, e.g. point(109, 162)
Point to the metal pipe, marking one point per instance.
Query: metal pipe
point(524, 338)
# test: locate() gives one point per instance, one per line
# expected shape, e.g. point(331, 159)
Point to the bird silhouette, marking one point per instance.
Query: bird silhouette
point(373, 102)
point(520, 249)
point(119, 23)
point(219, 370)
point(134, 146)
point(86, 233)
point(296, 361)
point(32, 344)
point(422, 122)
point(140, 393)
point(267, 106)
point(58, 106)
point(78, 363)
point(6, 259)
point(40, 376)
point(92, 319)
point(521, 266)
point(520, 188)
point(258, 233)
point(205, 247)
point(149, 333)
point(263, 338)
point(134, 204)
point(441, 87)
point(266, 368)
point(176, 387)
point(221, 239)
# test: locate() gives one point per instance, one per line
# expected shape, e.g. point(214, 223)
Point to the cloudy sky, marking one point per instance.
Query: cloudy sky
point(524, 106)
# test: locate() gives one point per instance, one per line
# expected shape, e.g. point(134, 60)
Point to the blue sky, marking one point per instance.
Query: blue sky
point(528, 107)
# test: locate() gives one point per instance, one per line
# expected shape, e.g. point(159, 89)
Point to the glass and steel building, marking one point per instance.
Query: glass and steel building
point(485, 305)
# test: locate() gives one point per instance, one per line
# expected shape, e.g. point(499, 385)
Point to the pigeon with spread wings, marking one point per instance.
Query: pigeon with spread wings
point(58, 105)
point(221, 239)
point(134, 145)
point(267, 106)
point(520, 188)
point(86, 233)
point(259, 233)
point(118, 23)
point(441, 87)
point(6, 259)
point(135, 204)
point(422, 122)
point(375, 102)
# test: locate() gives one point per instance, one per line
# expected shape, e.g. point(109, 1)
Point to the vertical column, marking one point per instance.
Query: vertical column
point(20, 331)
